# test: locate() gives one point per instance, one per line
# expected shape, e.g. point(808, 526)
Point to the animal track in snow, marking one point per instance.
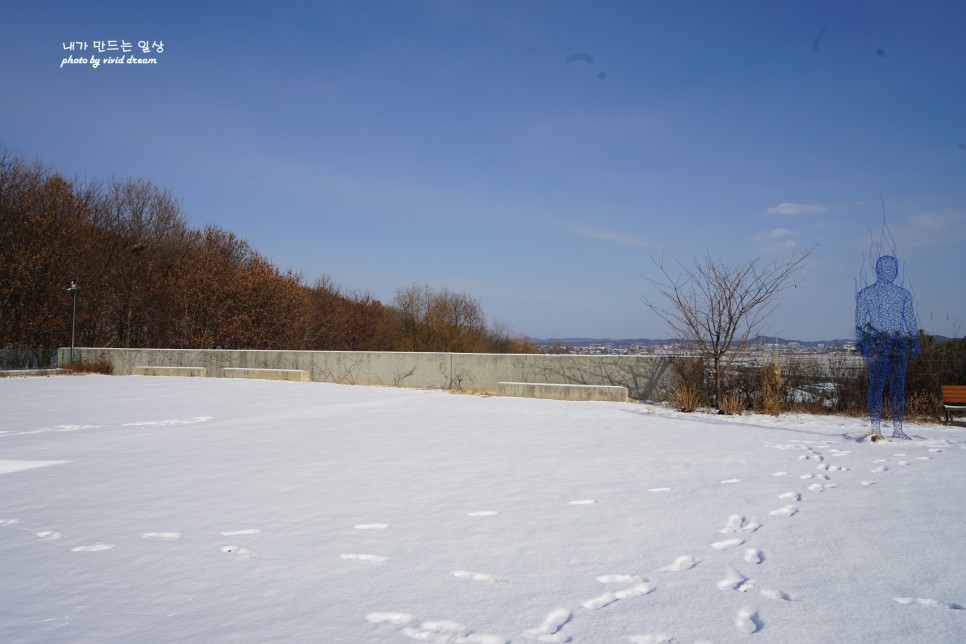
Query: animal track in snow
point(97, 547)
point(682, 563)
point(359, 557)
point(50, 535)
point(779, 473)
point(932, 603)
point(738, 524)
point(607, 599)
point(867, 482)
point(747, 620)
point(790, 496)
point(786, 511)
point(727, 543)
point(879, 470)
point(166, 536)
point(549, 630)
point(477, 576)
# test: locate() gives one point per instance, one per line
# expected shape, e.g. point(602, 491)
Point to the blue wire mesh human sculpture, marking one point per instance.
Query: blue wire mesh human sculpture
point(885, 327)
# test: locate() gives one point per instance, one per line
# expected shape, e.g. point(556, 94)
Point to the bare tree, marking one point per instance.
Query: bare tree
point(717, 310)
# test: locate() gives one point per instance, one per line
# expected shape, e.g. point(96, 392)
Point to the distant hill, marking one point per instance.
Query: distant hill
point(629, 342)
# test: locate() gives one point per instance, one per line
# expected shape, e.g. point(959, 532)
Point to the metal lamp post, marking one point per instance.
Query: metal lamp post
point(73, 319)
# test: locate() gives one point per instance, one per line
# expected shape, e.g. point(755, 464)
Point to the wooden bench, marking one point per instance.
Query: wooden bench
point(954, 399)
point(184, 372)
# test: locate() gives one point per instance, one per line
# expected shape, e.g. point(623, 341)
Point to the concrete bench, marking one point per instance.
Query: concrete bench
point(184, 372)
point(608, 393)
point(293, 375)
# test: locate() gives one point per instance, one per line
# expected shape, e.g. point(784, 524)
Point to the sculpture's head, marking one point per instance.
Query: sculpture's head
point(886, 268)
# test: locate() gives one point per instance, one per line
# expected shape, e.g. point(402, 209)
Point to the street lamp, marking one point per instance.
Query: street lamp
point(73, 319)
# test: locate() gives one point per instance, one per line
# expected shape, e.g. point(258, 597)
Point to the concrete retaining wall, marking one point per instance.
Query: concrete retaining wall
point(606, 393)
point(646, 377)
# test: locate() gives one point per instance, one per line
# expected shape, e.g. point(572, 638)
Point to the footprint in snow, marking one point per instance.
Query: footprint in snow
point(738, 524)
point(50, 535)
point(931, 603)
point(9, 521)
point(821, 487)
point(396, 619)
point(787, 511)
point(607, 599)
point(727, 543)
point(477, 576)
point(650, 638)
point(733, 580)
point(879, 470)
point(97, 547)
point(360, 557)
point(620, 579)
point(754, 556)
point(867, 482)
point(445, 630)
point(549, 630)
point(682, 563)
point(747, 620)
point(243, 553)
point(165, 536)
point(790, 496)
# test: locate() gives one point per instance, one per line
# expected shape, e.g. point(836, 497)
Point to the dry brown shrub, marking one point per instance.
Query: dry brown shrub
point(772, 381)
point(100, 365)
point(686, 396)
point(732, 403)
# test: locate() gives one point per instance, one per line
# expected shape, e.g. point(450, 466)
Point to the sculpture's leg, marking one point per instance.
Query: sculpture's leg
point(897, 387)
point(876, 385)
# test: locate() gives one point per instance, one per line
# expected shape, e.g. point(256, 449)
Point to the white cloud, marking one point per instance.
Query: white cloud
point(936, 221)
point(787, 245)
point(774, 233)
point(607, 235)
point(787, 208)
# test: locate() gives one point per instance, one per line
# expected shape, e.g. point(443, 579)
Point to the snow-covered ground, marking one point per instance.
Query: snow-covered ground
point(216, 510)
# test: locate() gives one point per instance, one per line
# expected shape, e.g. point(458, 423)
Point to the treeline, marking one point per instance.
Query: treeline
point(146, 278)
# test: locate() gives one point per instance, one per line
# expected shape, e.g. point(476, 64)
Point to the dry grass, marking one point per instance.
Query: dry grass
point(732, 403)
point(772, 382)
point(686, 396)
point(100, 365)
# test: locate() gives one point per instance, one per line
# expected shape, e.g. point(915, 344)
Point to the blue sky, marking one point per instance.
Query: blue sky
point(385, 143)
